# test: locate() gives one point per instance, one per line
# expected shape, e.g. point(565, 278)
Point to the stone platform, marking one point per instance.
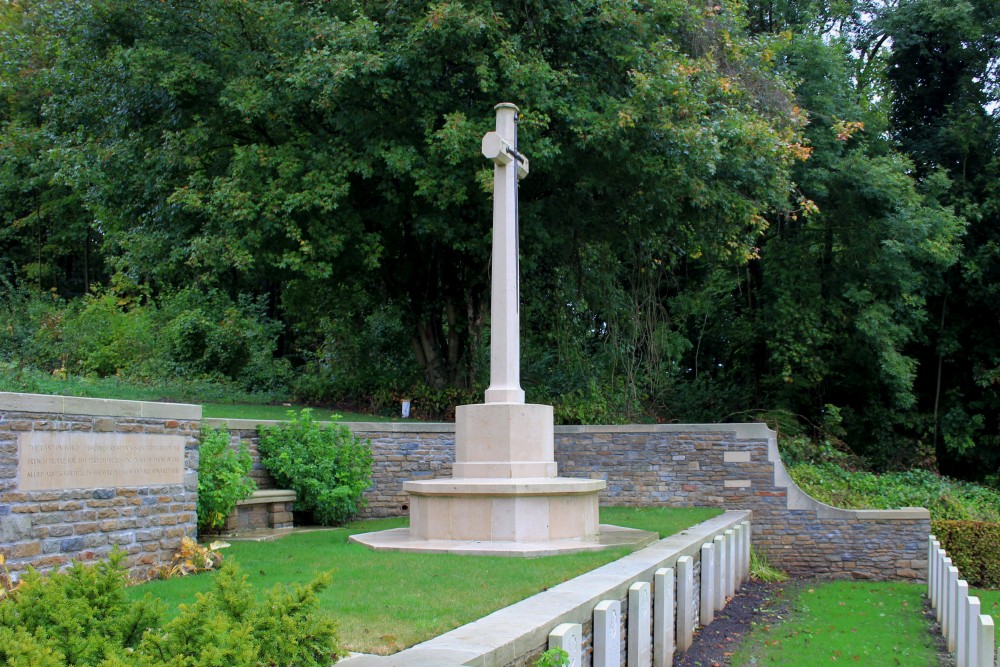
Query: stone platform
point(400, 539)
point(508, 510)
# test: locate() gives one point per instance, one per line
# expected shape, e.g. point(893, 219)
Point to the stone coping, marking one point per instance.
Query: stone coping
point(262, 496)
point(747, 431)
point(507, 634)
point(104, 407)
point(356, 427)
point(525, 486)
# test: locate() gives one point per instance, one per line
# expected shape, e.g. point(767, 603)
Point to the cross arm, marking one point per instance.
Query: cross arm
point(502, 153)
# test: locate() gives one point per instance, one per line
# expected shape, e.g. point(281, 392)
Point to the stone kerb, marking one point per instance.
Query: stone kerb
point(81, 476)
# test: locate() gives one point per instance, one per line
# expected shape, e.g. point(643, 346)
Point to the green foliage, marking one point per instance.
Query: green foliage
point(327, 466)
point(198, 335)
point(596, 405)
point(734, 207)
point(972, 546)
point(223, 478)
point(553, 657)
point(945, 498)
point(762, 570)
point(82, 616)
point(231, 626)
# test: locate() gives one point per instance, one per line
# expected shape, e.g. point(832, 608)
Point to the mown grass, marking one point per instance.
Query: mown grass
point(989, 602)
point(387, 601)
point(846, 622)
point(280, 412)
point(218, 400)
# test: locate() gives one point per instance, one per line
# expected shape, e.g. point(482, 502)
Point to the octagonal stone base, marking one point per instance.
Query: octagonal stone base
point(496, 440)
point(514, 510)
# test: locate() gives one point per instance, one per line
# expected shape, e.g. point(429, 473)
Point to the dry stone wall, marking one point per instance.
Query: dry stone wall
point(730, 466)
point(116, 474)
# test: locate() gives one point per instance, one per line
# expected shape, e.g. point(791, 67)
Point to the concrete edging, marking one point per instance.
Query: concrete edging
point(103, 407)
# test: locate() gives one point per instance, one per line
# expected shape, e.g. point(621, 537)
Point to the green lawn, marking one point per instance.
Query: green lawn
point(848, 622)
point(989, 604)
point(251, 411)
point(387, 601)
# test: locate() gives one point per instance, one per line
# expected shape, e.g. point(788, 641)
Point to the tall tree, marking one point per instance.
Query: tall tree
point(945, 94)
point(329, 151)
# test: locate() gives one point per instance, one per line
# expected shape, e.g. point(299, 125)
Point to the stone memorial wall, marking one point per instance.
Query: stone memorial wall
point(731, 466)
point(81, 476)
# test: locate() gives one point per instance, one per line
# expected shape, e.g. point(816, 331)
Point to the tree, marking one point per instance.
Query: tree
point(328, 153)
point(944, 80)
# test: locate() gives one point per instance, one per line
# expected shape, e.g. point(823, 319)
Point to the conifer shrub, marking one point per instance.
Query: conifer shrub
point(82, 617)
point(326, 465)
point(972, 547)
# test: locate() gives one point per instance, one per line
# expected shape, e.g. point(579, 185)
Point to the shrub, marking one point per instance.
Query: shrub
point(83, 617)
point(972, 546)
point(222, 478)
point(328, 466)
point(553, 657)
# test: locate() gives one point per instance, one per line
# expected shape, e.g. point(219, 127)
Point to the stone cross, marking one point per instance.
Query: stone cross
point(509, 166)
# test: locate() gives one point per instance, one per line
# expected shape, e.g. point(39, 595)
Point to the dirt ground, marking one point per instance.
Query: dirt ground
point(755, 603)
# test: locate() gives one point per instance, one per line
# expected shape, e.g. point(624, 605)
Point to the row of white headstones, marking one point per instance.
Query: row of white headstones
point(659, 620)
point(970, 634)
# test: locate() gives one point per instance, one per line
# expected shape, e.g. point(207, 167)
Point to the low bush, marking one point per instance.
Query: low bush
point(223, 478)
point(972, 547)
point(327, 466)
point(83, 617)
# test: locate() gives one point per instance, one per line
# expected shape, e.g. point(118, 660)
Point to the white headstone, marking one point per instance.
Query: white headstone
point(707, 608)
point(720, 572)
point(663, 617)
point(730, 563)
point(961, 624)
point(740, 532)
point(987, 639)
point(745, 556)
point(509, 165)
point(971, 637)
point(685, 603)
point(931, 571)
point(640, 650)
point(943, 592)
point(569, 637)
point(953, 603)
point(607, 634)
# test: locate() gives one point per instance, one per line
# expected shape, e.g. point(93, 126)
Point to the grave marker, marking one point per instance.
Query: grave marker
point(685, 603)
point(569, 637)
point(607, 638)
point(640, 652)
point(663, 617)
point(707, 614)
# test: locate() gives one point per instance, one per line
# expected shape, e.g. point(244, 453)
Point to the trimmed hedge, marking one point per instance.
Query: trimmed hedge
point(972, 546)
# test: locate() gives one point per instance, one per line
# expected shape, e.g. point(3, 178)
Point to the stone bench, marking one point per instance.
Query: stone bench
point(268, 508)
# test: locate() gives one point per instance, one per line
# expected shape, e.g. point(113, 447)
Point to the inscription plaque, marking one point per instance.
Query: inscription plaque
point(55, 460)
